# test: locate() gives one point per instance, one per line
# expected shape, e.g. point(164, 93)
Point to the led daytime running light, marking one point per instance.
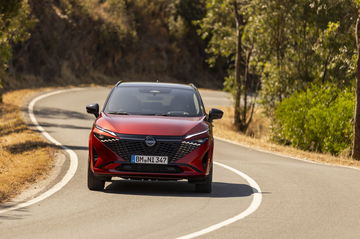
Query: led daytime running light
point(105, 130)
point(196, 134)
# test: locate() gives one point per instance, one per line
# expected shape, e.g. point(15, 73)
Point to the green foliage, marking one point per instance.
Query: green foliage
point(295, 42)
point(180, 21)
point(14, 23)
point(303, 42)
point(218, 28)
point(229, 31)
point(317, 119)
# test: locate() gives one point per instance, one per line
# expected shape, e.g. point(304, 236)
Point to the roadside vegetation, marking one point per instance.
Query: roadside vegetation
point(259, 136)
point(303, 53)
point(319, 119)
point(293, 67)
point(15, 22)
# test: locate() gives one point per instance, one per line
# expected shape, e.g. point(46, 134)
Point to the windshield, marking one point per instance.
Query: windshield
point(154, 100)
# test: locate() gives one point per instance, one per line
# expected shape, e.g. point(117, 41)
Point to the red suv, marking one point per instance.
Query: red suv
point(152, 131)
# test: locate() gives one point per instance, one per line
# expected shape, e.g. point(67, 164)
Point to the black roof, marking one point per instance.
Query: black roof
point(159, 84)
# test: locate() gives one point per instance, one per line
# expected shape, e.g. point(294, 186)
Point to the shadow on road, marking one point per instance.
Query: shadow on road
point(13, 215)
point(54, 113)
point(178, 189)
point(31, 145)
point(63, 126)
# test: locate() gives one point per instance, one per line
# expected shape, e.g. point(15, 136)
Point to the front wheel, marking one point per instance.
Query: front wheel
point(94, 183)
point(206, 185)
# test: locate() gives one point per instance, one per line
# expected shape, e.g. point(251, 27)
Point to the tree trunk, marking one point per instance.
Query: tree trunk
point(246, 118)
point(246, 76)
point(237, 113)
point(356, 140)
point(1, 93)
point(239, 19)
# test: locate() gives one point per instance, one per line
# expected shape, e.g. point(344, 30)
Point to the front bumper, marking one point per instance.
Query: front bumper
point(106, 162)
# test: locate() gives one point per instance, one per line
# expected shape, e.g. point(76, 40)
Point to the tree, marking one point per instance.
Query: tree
point(304, 42)
point(356, 141)
point(14, 22)
point(224, 27)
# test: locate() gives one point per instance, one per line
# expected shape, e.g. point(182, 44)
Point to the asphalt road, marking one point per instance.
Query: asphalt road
point(300, 199)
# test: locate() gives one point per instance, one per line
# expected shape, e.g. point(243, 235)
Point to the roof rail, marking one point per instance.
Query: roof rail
point(118, 83)
point(192, 85)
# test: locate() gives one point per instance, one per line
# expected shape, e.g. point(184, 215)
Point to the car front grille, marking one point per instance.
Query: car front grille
point(173, 147)
point(185, 148)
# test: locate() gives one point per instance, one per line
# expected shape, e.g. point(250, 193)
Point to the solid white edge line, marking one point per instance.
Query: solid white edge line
point(255, 204)
point(72, 155)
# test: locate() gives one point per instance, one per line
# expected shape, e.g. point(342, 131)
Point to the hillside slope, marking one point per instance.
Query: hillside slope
point(78, 41)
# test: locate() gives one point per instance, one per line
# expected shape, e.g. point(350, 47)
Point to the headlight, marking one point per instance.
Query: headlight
point(199, 141)
point(105, 130)
point(205, 133)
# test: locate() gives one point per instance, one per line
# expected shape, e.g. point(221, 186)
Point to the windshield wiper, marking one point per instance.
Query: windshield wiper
point(144, 114)
point(174, 114)
point(118, 113)
point(164, 114)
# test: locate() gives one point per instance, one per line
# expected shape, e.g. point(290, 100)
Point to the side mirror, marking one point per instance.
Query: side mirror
point(215, 114)
point(93, 109)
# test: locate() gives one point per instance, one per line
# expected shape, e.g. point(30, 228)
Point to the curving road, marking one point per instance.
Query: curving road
point(300, 199)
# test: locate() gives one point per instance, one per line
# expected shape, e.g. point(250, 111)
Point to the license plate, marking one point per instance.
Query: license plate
point(149, 159)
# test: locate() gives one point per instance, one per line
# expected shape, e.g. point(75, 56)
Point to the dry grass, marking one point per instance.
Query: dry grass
point(259, 138)
point(114, 14)
point(258, 129)
point(25, 156)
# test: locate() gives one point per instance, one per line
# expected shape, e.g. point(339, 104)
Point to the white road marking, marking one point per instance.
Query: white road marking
point(255, 204)
point(73, 157)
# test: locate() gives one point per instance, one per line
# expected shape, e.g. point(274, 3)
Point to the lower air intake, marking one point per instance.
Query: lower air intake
point(149, 168)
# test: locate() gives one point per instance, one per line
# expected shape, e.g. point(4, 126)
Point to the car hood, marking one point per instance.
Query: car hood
point(152, 125)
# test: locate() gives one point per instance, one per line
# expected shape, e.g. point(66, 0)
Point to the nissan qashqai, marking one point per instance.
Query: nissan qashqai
point(152, 131)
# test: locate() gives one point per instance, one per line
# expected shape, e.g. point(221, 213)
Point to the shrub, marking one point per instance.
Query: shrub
point(318, 119)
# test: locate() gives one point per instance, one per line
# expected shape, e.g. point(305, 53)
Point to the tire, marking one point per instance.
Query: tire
point(206, 185)
point(94, 183)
